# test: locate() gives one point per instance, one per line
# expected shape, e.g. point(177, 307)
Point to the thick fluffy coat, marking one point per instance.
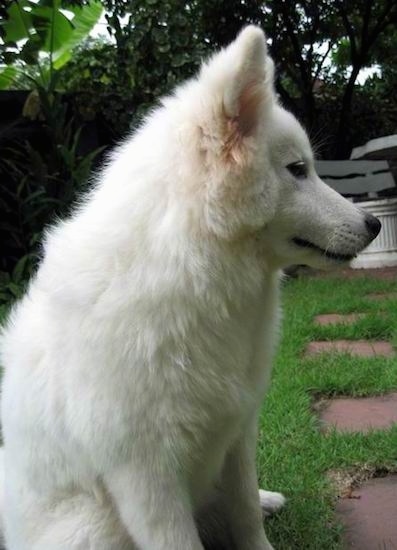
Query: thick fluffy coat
point(136, 364)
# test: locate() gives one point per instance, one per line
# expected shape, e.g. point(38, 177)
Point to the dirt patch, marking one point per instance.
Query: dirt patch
point(345, 481)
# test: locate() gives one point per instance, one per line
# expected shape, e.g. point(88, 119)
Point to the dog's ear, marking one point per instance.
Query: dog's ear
point(245, 88)
point(240, 80)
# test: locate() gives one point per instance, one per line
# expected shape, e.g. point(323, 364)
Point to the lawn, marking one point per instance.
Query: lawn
point(293, 456)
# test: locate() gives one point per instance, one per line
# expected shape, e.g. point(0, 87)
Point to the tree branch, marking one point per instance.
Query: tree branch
point(349, 29)
point(295, 44)
point(315, 16)
point(366, 19)
point(321, 63)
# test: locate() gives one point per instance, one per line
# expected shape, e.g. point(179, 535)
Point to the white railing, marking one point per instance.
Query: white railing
point(382, 252)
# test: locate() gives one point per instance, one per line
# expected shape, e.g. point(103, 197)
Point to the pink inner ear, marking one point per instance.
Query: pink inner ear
point(244, 124)
point(250, 103)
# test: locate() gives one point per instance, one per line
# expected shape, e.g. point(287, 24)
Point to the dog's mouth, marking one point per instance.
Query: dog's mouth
point(336, 256)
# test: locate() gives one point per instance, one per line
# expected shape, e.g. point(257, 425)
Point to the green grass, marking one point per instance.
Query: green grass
point(293, 456)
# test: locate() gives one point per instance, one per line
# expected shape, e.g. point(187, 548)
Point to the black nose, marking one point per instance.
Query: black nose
point(373, 225)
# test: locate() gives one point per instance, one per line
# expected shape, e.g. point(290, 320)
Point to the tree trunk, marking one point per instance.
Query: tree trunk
point(341, 148)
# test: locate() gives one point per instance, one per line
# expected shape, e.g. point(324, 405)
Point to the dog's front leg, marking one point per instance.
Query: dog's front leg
point(241, 495)
point(154, 508)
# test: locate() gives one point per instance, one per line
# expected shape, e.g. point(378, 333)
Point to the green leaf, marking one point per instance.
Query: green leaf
point(179, 60)
point(48, 30)
point(16, 290)
point(22, 269)
point(19, 21)
point(83, 22)
point(8, 76)
point(36, 237)
point(3, 311)
point(52, 25)
point(164, 48)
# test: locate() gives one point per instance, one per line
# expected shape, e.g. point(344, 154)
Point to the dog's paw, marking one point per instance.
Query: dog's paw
point(270, 502)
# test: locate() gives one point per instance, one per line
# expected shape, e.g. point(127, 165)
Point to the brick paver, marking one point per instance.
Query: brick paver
point(370, 516)
point(369, 512)
point(360, 414)
point(338, 319)
point(359, 348)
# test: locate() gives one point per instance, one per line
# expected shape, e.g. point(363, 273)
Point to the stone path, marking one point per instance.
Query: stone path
point(369, 513)
point(360, 415)
point(359, 348)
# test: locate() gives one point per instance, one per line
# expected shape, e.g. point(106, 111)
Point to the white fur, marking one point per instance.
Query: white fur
point(136, 364)
point(270, 502)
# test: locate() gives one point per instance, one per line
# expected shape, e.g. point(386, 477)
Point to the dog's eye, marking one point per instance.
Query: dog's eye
point(298, 169)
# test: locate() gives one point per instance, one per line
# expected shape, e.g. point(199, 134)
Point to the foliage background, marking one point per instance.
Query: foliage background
point(159, 43)
point(83, 94)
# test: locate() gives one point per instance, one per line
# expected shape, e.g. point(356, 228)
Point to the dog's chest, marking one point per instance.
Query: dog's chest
point(232, 373)
point(185, 382)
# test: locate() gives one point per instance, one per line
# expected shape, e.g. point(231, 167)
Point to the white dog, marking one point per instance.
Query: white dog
point(137, 362)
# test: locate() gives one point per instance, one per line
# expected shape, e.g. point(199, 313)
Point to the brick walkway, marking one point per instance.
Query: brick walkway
point(359, 348)
point(369, 514)
point(360, 415)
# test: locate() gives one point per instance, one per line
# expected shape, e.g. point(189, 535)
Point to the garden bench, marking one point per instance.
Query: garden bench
point(358, 179)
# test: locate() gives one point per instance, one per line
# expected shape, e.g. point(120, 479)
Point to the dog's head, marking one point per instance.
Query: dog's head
point(258, 168)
